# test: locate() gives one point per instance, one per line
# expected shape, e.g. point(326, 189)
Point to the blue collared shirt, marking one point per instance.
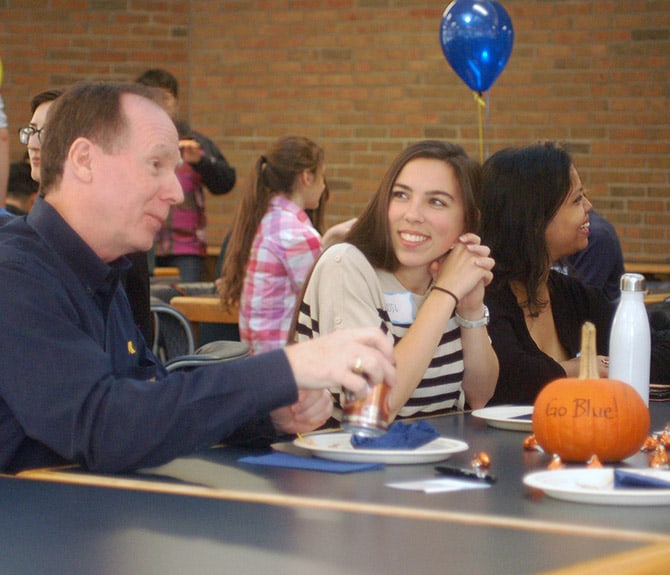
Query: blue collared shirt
point(78, 383)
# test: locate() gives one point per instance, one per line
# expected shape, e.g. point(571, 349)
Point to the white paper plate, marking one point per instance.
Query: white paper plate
point(597, 486)
point(505, 417)
point(337, 446)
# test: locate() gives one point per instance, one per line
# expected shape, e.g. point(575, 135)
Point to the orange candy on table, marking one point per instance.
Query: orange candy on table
point(481, 460)
point(556, 462)
point(650, 444)
point(660, 459)
point(530, 443)
point(594, 463)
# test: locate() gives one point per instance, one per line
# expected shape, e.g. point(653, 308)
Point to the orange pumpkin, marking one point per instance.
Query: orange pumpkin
point(577, 418)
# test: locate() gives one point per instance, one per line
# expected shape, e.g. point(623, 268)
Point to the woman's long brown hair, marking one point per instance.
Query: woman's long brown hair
point(273, 173)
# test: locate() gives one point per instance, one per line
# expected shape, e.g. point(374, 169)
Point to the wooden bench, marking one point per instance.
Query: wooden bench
point(656, 297)
point(648, 267)
point(204, 309)
point(162, 272)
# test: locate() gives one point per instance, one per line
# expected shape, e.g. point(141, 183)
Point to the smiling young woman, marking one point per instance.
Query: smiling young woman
point(413, 266)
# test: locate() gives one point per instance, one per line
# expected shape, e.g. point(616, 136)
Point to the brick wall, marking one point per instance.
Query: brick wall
point(366, 77)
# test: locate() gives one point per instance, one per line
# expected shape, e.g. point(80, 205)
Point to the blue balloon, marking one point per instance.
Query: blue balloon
point(477, 38)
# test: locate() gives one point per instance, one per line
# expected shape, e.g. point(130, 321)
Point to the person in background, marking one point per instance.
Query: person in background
point(25, 136)
point(4, 152)
point(21, 189)
point(413, 266)
point(82, 386)
point(273, 243)
point(600, 264)
point(534, 213)
point(182, 242)
point(31, 135)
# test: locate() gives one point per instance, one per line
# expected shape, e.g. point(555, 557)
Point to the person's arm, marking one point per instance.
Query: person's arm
point(216, 173)
point(336, 233)
point(109, 405)
point(329, 361)
point(480, 364)
point(297, 249)
point(481, 367)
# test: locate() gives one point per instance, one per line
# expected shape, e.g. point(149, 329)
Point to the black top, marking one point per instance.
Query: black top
point(524, 368)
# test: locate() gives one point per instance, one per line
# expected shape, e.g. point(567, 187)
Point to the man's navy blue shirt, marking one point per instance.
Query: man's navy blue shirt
point(600, 264)
point(78, 383)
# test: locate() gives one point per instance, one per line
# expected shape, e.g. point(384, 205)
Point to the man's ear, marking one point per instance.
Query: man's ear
point(80, 158)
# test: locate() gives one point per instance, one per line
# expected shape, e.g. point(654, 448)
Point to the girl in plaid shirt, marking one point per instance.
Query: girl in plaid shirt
point(273, 243)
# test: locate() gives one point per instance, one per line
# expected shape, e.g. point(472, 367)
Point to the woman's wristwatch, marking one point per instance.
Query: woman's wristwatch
point(468, 323)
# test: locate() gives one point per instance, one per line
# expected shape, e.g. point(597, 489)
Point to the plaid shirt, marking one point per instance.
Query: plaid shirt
point(284, 249)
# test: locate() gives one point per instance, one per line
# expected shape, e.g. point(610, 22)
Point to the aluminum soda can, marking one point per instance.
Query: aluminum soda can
point(368, 417)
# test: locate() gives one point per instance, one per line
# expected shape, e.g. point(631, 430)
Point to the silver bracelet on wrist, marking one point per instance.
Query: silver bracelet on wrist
point(469, 324)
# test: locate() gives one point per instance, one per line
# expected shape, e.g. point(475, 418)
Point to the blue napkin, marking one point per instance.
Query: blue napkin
point(630, 479)
point(399, 436)
point(279, 459)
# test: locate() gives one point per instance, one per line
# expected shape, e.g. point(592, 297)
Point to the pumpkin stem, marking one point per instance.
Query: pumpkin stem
point(588, 362)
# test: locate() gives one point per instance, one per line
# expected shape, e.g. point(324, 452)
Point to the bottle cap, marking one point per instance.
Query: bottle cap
point(633, 282)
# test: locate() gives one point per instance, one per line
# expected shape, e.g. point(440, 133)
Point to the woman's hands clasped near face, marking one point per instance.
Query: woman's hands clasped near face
point(466, 270)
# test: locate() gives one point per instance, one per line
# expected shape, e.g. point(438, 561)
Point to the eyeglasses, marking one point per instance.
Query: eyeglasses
point(27, 131)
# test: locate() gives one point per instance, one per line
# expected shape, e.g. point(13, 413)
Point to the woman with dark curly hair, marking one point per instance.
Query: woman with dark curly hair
point(535, 212)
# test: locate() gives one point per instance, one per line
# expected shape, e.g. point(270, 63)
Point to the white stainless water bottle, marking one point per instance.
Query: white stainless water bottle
point(630, 338)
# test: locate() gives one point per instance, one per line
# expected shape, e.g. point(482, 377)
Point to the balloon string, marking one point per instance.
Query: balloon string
point(480, 105)
point(487, 120)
